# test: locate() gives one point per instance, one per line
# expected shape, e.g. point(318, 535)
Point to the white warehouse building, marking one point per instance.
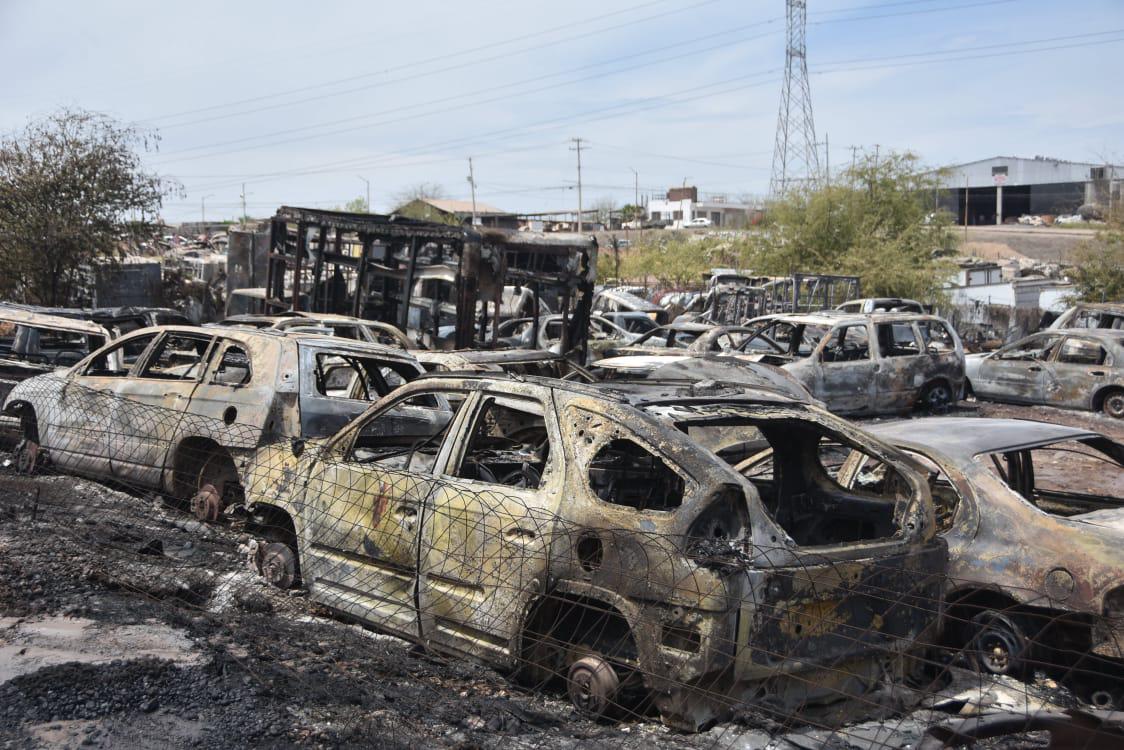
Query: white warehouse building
point(1003, 188)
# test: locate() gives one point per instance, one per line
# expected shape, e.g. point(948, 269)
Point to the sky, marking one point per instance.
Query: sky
point(306, 103)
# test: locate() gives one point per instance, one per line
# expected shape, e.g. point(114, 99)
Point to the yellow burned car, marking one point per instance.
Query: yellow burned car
point(602, 539)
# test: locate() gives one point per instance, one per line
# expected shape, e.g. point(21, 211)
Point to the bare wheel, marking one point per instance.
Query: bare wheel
point(1113, 404)
point(215, 475)
point(279, 565)
point(999, 646)
point(936, 397)
point(593, 685)
point(206, 504)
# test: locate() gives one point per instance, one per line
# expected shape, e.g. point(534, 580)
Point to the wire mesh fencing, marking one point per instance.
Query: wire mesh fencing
point(599, 559)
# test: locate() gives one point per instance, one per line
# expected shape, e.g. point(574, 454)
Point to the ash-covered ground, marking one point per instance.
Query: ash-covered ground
point(125, 623)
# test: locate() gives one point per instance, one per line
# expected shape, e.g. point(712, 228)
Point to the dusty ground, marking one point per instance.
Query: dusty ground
point(123, 623)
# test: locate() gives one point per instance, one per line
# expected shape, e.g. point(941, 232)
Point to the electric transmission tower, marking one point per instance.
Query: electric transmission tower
point(795, 158)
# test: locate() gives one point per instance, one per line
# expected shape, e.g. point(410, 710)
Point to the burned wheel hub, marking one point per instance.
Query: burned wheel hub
point(593, 685)
point(279, 565)
point(999, 645)
point(207, 504)
point(1114, 404)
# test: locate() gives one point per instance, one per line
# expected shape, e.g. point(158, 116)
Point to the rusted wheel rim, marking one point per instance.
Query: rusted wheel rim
point(1114, 405)
point(592, 685)
point(998, 648)
point(279, 565)
point(938, 396)
point(207, 504)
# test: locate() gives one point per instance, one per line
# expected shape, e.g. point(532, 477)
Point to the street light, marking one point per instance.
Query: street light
point(368, 191)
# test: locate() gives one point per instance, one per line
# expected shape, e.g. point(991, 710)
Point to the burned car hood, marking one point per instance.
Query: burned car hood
point(1110, 519)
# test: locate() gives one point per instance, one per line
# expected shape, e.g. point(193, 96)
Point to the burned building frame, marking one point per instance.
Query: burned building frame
point(442, 284)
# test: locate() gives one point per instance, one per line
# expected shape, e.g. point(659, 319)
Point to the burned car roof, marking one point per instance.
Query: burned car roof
point(966, 437)
point(43, 320)
point(833, 317)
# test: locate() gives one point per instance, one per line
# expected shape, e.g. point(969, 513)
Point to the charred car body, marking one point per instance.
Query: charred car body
point(1034, 518)
point(863, 364)
point(343, 326)
point(604, 541)
point(179, 408)
point(33, 343)
point(1068, 368)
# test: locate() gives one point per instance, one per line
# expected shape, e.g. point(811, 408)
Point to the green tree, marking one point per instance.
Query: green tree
point(356, 206)
point(1098, 272)
point(72, 193)
point(876, 222)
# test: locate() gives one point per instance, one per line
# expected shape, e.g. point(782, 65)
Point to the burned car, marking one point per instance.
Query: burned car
point(179, 408)
point(344, 326)
point(875, 363)
point(1070, 368)
point(1108, 315)
point(512, 361)
point(1034, 518)
point(33, 343)
point(603, 541)
point(700, 370)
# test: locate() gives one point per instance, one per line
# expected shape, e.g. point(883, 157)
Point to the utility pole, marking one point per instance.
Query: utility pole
point(965, 208)
point(203, 210)
point(636, 186)
point(368, 183)
point(826, 143)
point(472, 182)
point(854, 161)
point(242, 221)
point(578, 148)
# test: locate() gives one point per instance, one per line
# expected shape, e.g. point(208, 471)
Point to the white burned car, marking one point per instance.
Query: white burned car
point(179, 408)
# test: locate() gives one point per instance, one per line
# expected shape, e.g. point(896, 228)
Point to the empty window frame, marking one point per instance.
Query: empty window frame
point(509, 444)
point(178, 356)
point(623, 472)
point(407, 434)
point(847, 344)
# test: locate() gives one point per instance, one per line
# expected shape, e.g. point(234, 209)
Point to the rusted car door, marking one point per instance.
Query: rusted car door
point(845, 369)
point(81, 430)
point(230, 403)
point(1017, 372)
point(151, 403)
point(1078, 368)
point(487, 530)
point(903, 366)
point(363, 508)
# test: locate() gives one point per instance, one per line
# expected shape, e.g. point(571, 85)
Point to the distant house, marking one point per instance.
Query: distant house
point(459, 212)
point(682, 205)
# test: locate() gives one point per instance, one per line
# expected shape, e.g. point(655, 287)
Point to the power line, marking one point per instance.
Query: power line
point(471, 96)
point(498, 56)
point(643, 106)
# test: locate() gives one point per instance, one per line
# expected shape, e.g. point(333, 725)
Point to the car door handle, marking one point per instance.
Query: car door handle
point(406, 512)
point(519, 535)
point(1034, 368)
point(1097, 373)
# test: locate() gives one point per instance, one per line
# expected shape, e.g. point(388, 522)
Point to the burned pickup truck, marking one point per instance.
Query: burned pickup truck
point(604, 542)
point(180, 408)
